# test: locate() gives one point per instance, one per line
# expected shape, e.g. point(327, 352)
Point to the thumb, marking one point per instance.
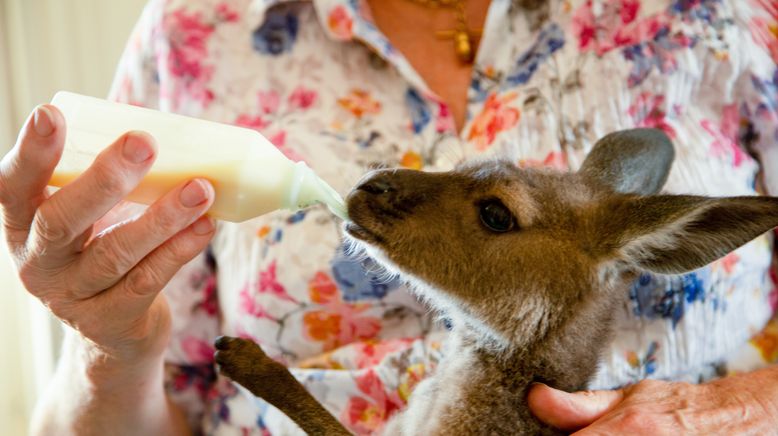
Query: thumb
point(570, 411)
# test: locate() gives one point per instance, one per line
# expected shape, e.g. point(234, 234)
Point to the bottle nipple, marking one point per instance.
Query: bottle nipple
point(306, 188)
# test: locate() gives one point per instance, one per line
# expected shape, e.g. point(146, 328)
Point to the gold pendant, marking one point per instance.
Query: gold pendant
point(463, 47)
point(463, 43)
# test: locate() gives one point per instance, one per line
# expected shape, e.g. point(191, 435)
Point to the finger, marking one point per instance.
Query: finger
point(111, 255)
point(133, 295)
point(123, 212)
point(570, 411)
point(27, 168)
point(72, 210)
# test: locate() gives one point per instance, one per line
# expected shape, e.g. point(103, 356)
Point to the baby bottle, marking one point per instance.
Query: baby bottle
point(249, 174)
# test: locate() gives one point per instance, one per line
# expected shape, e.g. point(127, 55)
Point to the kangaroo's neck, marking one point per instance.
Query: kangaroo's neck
point(564, 356)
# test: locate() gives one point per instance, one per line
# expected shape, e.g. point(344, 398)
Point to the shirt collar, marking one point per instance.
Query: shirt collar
point(339, 18)
point(347, 20)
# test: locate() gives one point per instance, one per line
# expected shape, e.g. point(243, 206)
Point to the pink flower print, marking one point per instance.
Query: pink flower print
point(725, 142)
point(765, 30)
point(616, 26)
point(268, 101)
point(765, 33)
point(648, 111)
point(367, 413)
point(340, 23)
point(210, 303)
point(370, 353)
point(257, 123)
point(496, 116)
point(224, 12)
point(279, 140)
point(445, 120)
point(188, 38)
point(268, 283)
point(302, 98)
point(247, 304)
point(197, 350)
point(188, 35)
point(729, 262)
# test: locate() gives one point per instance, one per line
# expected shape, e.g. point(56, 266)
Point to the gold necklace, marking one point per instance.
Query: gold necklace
point(464, 38)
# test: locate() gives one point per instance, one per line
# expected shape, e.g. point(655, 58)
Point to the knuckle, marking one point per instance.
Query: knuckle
point(179, 250)
point(141, 281)
point(109, 257)
point(633, 419)
point(109, 180)
point(167, 219)
point(48, 224)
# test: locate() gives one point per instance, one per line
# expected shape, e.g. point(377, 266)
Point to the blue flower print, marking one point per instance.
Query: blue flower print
point(296, 217)
point(693, 10)
point(550, 39)
point(768, 91)
point(420, 113)
point(656, 53)
point(359, 278)
point(277, 34)
point(667, 297)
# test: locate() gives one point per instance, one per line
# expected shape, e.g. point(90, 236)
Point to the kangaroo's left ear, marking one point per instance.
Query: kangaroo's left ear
point(635, 161)
point(672, 234)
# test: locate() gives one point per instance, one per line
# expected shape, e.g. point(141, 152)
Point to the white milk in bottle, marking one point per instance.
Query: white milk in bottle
point(249, 175)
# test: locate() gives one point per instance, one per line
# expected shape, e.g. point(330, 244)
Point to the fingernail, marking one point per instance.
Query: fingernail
point(195, 193)
point(203, 226)
point(42, 121)
point(137, 149)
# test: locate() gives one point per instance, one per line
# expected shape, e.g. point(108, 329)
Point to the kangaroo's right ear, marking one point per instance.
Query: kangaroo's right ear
point(635, 161)
point(672, 234)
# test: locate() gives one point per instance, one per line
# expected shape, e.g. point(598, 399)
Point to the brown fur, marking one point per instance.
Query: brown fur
point(246, 363)
point(534, 303)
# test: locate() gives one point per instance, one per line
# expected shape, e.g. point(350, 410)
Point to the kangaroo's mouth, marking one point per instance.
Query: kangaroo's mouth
point(365, 222)
point(363, 234)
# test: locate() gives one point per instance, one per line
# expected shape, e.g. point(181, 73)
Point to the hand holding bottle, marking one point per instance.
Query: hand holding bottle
point(103, 280)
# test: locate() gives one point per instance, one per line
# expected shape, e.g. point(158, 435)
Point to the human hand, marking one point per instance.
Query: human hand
point(102, 278)
point(741, 404)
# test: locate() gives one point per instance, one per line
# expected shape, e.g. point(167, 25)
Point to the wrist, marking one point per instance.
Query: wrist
point(104, 373)
point(95, 392)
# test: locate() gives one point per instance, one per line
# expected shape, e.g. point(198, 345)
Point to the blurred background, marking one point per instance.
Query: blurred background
point(45, 46)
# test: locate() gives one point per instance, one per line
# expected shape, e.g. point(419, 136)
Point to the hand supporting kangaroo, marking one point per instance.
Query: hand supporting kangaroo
point(529, 265)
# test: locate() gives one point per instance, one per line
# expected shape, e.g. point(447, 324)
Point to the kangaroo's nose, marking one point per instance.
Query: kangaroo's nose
point(377, 185)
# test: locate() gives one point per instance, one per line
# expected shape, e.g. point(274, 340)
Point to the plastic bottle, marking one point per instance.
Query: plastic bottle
point(249, 174)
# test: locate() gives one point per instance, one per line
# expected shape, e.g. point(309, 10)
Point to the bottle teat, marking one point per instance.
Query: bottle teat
point(306, 188)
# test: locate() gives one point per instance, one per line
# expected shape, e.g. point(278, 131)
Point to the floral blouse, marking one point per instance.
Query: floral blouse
point(325, 86)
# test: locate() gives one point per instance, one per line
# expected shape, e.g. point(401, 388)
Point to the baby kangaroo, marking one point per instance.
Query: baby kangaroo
point(528, 265)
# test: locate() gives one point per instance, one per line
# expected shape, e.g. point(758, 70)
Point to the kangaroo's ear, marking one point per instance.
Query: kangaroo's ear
point(635, 161)
point(674, 234)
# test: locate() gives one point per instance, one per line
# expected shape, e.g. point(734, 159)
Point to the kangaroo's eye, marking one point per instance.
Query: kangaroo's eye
point(496, 217)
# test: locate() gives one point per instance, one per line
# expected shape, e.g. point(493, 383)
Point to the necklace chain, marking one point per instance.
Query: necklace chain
point(462, 36)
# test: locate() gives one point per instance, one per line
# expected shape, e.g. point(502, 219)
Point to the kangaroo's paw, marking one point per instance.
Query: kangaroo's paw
point(245, 363)
point(240, 359)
